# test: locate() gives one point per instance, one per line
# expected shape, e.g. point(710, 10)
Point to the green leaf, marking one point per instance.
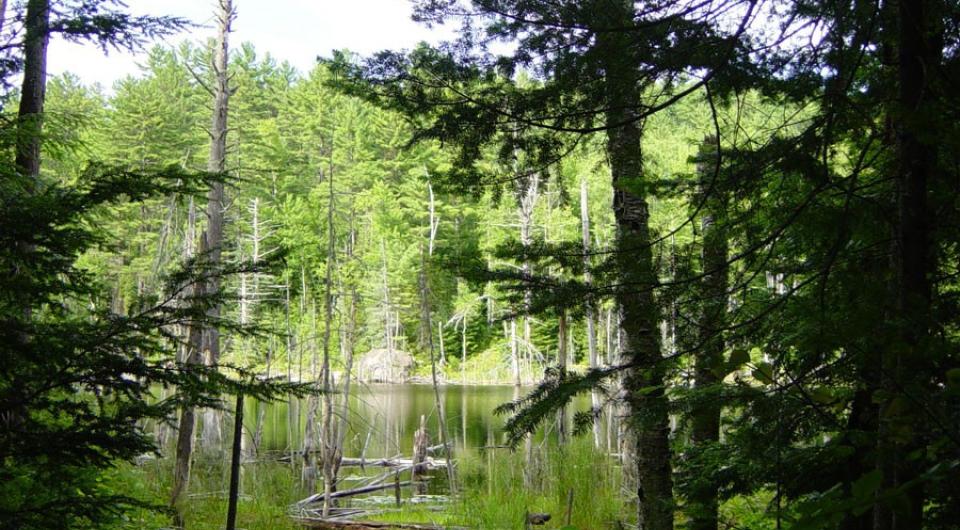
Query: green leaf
point(820, 395)
point(739, 357)
point(897, 502)
point(763, 372)
point(868, 484)
point(953, 377)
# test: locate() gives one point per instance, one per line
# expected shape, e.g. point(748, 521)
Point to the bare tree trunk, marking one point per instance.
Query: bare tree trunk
point(463, 350)
point(261, 407)
point(562, 372)
point(349, 340)
point(527, 203)
point(249, 299)
point(310, 430)
point(590, 307)
point(421, 440)
point(216, 204)
point(3, 14)
point(328, 448)
point(441, 414)
point(514, 352)
point(387, 309)
point(443, 353)
point(185, 431)
point(293, 410)
point(531, 468)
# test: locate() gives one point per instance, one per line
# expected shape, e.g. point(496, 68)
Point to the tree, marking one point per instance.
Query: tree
point(77, 377)
point(207, 350)
point(606, 67)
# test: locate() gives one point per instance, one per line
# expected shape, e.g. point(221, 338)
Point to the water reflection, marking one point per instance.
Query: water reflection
point(384, 417)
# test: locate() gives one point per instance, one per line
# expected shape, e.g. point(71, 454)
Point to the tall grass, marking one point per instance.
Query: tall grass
point(494, 495)
point(268, 489)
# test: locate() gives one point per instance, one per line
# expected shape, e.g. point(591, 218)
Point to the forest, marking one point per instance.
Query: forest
point(584, 264)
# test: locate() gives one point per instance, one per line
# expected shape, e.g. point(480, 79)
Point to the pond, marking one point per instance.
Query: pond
point(384, 417)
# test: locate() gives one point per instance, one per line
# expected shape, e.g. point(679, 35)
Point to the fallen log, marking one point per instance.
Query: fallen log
point(429, 463)
point(332, 524)
point(319, 497)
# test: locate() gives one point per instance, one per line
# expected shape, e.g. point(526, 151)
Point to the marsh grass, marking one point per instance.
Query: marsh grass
point(494, 495)
point(268, 489)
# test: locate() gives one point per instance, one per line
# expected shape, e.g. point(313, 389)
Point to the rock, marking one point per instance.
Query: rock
point(385, 366)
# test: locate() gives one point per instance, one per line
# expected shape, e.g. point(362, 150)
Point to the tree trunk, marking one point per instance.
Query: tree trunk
point(514, 352)
point(590, 310)
point(421, 440)
point(33, 89)
point(216, 204)
point(235, 464)
point(3, 14)
point(32, 95)
point(463, 350)
point(184, 452)
point(645, 379)
point(438, 401)
point(328, 442)
point(349, 340)
point(562, 372)
point(527, 198)
point(906, 363)
point(709, 358)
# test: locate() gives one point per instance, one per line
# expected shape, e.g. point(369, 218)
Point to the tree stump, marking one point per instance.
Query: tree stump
point(421, 441)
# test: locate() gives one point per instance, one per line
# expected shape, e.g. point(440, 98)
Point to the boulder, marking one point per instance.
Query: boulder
point(385, 366)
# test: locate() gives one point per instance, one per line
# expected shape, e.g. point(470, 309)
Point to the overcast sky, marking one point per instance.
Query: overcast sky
point(292, 30)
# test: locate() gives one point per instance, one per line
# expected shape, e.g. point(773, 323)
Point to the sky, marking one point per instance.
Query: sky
point(293, 30)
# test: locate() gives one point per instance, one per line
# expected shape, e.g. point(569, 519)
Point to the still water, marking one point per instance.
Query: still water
point(383, 418)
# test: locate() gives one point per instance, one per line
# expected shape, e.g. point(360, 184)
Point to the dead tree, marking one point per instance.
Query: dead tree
point(329, 450)
point(426, 313)
point(590, 307)
point(216, 202)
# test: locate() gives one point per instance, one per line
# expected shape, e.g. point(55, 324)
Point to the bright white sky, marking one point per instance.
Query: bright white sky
point(293, 30)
